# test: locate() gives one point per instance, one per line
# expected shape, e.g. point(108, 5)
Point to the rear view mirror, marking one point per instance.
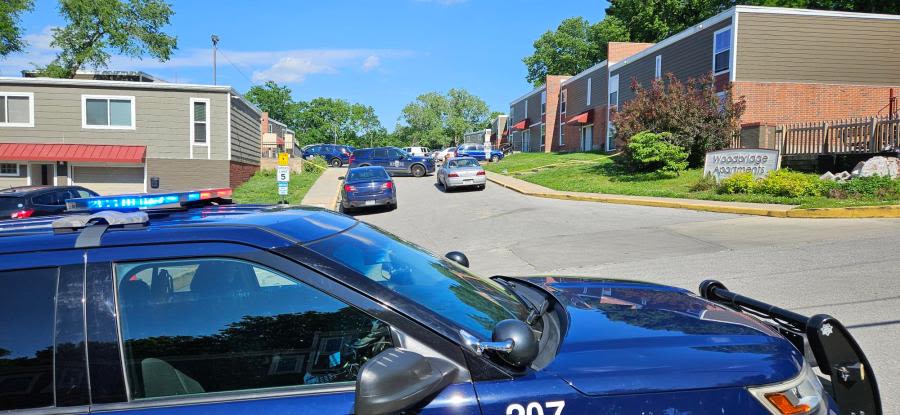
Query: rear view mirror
point(341, 178)
point(398, 379)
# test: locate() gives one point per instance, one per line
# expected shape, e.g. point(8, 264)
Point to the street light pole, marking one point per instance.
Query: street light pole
point(215, 42)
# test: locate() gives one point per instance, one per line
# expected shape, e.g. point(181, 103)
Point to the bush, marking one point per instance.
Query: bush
point(698, 120)
point(790, 184)
point(875, 186)
point(743, 182)
point(315, 164)
point(705, 183)
point(650, 152)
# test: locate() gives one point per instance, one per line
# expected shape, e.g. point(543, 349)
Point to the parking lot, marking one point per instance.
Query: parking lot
point(846, 268)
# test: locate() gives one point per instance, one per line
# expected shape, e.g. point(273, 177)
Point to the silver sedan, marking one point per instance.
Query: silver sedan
point(461, 172)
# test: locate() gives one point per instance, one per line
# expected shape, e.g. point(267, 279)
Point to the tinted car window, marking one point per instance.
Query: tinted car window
point(397, 153)
point(381, 153)
point(11, 203)
point(367, 174)
point(214, 325)
point(26, 338)
point(474, 303)
point(49, 198)
point(465, 163)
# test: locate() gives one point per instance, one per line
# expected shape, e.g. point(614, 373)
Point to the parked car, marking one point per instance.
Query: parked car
point(444, 154)
point(394, 160)
point(477, 151)
point(417, 151)
point(27, 201)
point(461, 172)
point(336, 155)
point(303, 310)
point(368, 187)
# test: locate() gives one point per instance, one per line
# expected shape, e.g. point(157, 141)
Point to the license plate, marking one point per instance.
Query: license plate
point(468, 180)
point(370, 202)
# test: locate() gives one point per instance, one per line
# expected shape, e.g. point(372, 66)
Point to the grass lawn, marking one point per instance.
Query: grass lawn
point(602, 175)
point(262, 188)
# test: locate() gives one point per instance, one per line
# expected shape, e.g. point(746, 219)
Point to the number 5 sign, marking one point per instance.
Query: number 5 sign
point(283, 174)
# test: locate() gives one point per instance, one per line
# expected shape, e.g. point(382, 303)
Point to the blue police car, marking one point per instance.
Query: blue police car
point(335, 155)
point(477, 151)
point(394, 160)
point(182, 303)
point(365, 187)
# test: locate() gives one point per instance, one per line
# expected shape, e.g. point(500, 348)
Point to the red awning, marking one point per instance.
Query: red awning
point(521, 125)
point(85, 153)
point(583, 118)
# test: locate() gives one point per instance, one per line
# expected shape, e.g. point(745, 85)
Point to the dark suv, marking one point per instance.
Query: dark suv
point(394, 160)
point(335, 155)
point(27, 201)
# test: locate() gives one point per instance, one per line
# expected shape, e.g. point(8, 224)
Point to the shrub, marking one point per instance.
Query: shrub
point(698, 120)
point(705, 183)
point(790, 184)
point(875, 186)
point(315, 164)
point(650, 152)
point(743, 182)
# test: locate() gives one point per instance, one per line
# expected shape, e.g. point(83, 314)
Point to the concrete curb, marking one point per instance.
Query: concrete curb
point(322, 194)
point(788, 211)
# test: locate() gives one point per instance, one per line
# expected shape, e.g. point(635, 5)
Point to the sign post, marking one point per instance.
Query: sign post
point(283, 175)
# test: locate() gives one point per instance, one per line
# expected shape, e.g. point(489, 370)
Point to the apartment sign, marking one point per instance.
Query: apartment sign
point(724, 163)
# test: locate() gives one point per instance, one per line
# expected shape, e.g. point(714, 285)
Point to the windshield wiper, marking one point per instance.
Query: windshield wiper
point(534, 311)
point(537, 311)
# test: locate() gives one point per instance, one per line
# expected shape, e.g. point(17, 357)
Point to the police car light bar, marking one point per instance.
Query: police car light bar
point(145, 201)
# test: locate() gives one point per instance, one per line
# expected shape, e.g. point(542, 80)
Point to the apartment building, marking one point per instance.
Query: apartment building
point(789, 65)
point(118, 136)
point(276, 138)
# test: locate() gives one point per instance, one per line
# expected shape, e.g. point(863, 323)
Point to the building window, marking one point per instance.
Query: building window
point(658, 72)
point(588, 100)
point(200, 121)
point(16, 109)
point(543, 102)
point(111, 112)
point(9, 169)
point(722, 50)
point(562, 101)
point(612, 105)
point(526, 107)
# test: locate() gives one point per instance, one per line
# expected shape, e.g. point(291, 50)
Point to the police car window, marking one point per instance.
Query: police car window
point(26, 338)
point(380, 153)
point(216, 325)
point(45, 199)
point(377, 174)
point(474, 303)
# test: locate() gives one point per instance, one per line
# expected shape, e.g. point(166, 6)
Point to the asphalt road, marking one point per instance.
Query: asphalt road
point(847, 268)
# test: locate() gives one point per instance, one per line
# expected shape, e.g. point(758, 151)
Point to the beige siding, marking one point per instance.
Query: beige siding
point(12, 181)
point(686, 58)
point(817, 49)
point(108, 180)
point(181, 175)
point(245, 133)
point(162, 119)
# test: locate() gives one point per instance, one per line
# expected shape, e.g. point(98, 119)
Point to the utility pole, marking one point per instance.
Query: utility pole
point(215, 42)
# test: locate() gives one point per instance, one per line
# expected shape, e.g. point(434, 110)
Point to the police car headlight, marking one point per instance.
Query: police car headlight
point(802, 395)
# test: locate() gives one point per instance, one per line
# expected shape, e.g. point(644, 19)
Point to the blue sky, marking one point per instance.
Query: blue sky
point(382, 53)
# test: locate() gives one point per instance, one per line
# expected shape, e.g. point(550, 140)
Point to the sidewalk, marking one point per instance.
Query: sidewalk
point(325, 191)
point(759, 209)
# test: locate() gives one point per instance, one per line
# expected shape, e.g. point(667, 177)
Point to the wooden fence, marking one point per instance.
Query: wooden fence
point(849, 136)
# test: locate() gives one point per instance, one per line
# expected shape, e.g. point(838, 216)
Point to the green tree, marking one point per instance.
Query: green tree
point(96, 27)
point(436, 120)
point(467, 112)
point(338, 121)
point(10, 31)
point(277, 101)
point(573, 47)
point(655, 20)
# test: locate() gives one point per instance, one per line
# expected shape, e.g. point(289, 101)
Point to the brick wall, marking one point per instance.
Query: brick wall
point(572, 134)
point(622, 50)
point(781, 103)
point(240, 173)
point(551, 118)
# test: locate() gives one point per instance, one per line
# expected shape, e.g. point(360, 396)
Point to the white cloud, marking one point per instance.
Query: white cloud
point(291, 70)
point(371, 62)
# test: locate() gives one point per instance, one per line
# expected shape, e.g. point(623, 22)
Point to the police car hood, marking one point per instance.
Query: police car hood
point(627, 337)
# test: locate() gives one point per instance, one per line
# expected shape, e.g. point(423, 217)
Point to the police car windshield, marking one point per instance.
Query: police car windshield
point(367, 174)
point(474, 303)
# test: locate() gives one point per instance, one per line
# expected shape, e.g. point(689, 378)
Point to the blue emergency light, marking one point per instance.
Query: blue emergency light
point(145, 201)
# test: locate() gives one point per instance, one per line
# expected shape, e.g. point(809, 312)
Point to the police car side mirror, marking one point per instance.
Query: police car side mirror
point(397, 379)
point(512, 340)
point(458, 257)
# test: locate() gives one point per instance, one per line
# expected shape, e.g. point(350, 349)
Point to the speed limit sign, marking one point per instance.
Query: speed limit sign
point(283, 174)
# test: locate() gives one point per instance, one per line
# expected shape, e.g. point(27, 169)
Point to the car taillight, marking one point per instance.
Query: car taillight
point(22, 214)
point(349, 188)
point(452, 175)
point(352, 158)
point(480, 173)
point(388, 185)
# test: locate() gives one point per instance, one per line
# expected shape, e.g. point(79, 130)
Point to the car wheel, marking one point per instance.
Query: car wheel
point(336, 162)
point(393, 206)
point(418, 170)
point(363, 165)
point(481, 187)
point(495, 158)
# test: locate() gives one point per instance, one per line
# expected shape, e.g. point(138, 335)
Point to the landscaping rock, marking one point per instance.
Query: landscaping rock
point(827, 176)
point(878, 166)
point(842, 176)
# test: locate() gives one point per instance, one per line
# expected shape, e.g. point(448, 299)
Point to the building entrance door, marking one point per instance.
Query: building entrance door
point(587, 138)
point(42, 174)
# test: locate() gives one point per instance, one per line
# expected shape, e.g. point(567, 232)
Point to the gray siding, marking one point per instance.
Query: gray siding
point(245, 133)
point(686, 58)
point(576, 101)
point(162, 119)
point(817, 49)
point(534, 108)
point(183, 175)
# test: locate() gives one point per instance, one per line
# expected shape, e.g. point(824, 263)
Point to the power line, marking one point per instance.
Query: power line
point(237, 69)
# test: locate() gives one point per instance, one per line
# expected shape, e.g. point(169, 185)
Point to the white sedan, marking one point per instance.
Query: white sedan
point(461, 172)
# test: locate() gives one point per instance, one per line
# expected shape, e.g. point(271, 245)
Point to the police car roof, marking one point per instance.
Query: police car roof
point(24, 190)
point(259, 225)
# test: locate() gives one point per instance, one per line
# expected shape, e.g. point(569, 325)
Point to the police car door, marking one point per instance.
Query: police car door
point(226, 328)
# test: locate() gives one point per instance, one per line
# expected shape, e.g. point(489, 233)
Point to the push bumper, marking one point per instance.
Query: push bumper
point(832, 348)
